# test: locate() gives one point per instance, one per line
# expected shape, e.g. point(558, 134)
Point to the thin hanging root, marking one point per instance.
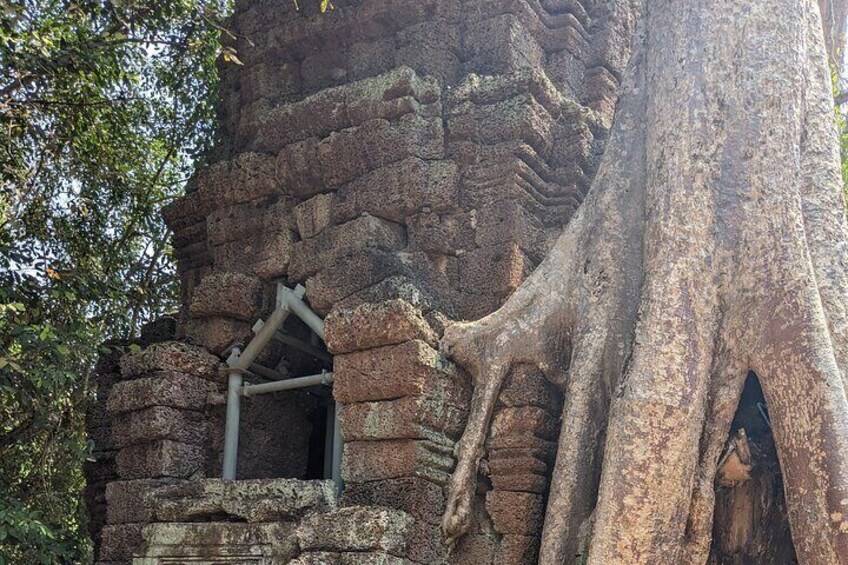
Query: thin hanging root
point(469, 451)
point(487, 349)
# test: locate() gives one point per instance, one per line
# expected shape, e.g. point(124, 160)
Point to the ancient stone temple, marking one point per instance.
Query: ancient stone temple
point(407, 163)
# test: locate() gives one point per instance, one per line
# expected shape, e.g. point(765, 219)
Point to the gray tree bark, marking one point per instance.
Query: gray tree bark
point(713, 243)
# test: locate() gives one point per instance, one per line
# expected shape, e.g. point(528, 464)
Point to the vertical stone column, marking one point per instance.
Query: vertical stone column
point(403, 408)
point(158, 429)
point(521, 454)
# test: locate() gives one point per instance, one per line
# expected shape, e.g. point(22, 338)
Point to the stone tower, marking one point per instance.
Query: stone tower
point(408, 162)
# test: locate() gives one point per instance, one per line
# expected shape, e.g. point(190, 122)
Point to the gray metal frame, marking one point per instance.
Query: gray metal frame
point(242, 362)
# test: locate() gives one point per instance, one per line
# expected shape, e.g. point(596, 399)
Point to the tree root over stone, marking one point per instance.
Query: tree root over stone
point(713, 243)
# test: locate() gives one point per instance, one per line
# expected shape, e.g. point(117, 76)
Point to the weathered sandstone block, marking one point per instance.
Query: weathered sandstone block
point(159, 422)
point(357, 528)
point(520, 513)
point(164, 388)
point(232, 295)
point(134, 501)
point(169, 356)
point(494, 270)
point(527, 386)
point(217, 542)
point(374, 460)
point(216, 334)
point(422, 499)
point(409, 369)
point(417, 417)
point(161, 458)
point(375, 325)
point(524, 421)
point(119, 542)
point(517, 549)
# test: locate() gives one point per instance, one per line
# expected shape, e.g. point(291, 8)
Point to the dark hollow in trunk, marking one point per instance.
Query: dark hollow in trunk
point(750, 525)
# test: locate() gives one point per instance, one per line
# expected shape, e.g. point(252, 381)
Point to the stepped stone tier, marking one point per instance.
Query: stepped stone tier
point(409, 162)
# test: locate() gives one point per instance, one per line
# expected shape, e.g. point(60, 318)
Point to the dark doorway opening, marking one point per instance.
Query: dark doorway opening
point(286, 434)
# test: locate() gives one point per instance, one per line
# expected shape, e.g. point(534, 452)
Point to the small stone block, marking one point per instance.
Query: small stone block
point(376, 325)
point(524, 421)
point(133, 501)
point(356, 528)
point(120, 542)
point(232, 295)
point(517, 549)
point(169, 356)
point(519, 513)
point(163, 458)
point(313, 215)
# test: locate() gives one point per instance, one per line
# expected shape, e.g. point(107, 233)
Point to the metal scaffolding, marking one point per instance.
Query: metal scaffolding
point(242, 362)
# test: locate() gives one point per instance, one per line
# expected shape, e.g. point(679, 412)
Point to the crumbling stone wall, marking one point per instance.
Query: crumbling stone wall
point(409, 162)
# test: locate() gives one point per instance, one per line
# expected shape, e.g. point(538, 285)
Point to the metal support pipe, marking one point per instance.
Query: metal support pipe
point(239, 362)
point(338, 446)
point(302, 311)
point(288, 384)
point(262, 337)
point(231, 430)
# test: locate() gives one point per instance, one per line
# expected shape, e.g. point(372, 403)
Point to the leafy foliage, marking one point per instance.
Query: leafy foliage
point(104, 108)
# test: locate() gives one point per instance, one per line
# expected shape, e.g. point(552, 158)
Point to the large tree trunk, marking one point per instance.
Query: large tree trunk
point(713, 243)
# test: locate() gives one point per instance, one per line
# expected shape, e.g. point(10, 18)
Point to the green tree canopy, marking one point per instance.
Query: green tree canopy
point(104, 108)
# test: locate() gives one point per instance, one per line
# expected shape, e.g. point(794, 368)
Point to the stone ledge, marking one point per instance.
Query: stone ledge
point(214, 542)
point(257, 500)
